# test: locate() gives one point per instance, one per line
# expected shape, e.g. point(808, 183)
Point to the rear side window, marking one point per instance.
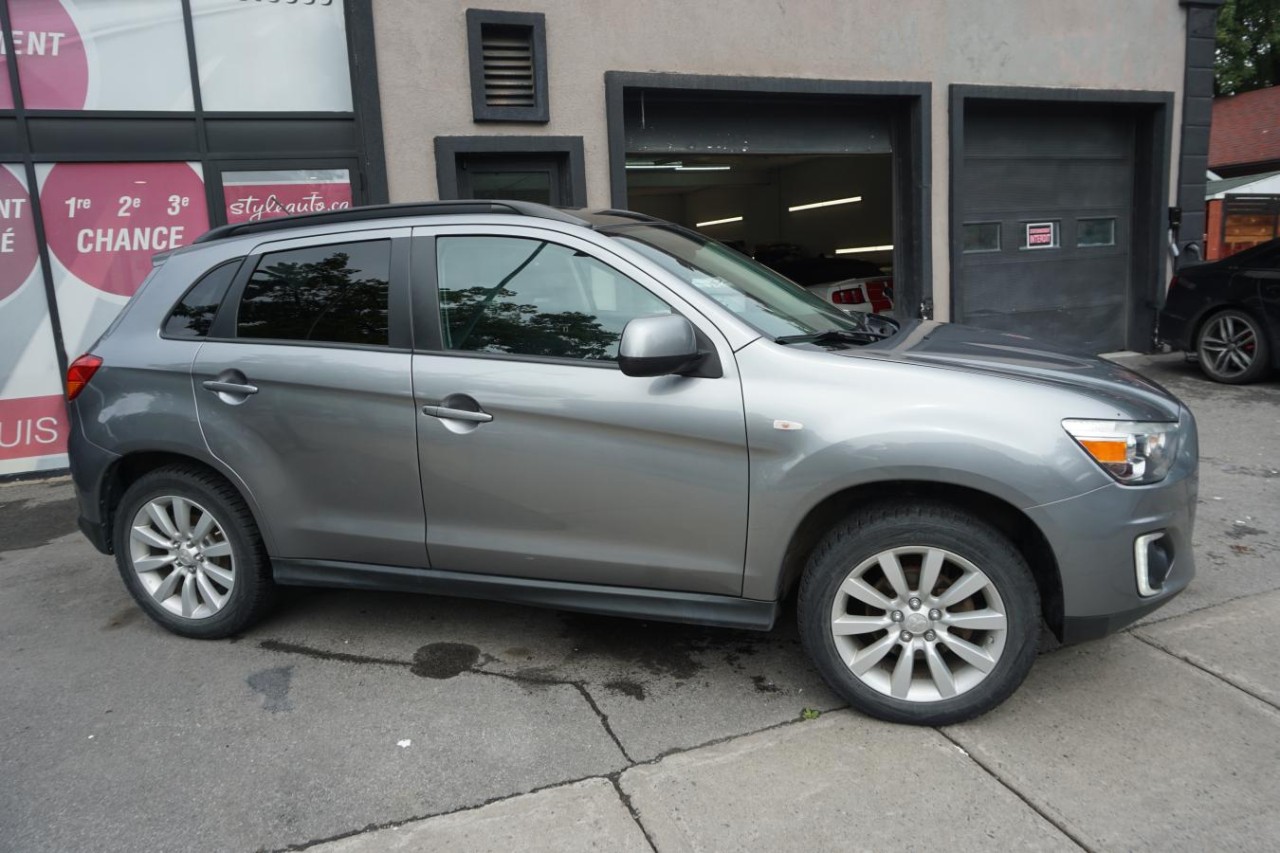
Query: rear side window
point(192, 317)
point(333, 294)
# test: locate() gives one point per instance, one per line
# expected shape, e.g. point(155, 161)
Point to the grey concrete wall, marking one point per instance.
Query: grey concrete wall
point(1096, 44)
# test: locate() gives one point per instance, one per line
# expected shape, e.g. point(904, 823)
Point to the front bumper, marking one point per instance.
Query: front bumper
point(1093, 537)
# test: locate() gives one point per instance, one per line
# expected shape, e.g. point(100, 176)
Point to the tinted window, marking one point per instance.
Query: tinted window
point(529, 297)
point(1096, 232)
point(335, 293)
point(192, 317)
point(981, 237)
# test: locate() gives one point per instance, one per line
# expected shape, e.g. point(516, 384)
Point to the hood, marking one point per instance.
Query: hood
point(956, 346)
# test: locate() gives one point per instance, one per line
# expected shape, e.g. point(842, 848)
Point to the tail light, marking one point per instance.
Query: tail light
point(880, 294)
point(852, 296)
point(80, 372)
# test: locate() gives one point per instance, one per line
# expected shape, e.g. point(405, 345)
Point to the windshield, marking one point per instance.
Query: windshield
point(768, 302)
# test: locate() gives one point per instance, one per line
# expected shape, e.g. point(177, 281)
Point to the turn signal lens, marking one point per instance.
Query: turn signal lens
point(1133, 452)
point(79, 373)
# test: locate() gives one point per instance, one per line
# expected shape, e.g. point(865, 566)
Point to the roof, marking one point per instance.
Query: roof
point(1243, 184)
point(1246, 129)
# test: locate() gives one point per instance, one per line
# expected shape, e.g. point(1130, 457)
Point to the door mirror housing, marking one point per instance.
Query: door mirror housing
point(658, 346)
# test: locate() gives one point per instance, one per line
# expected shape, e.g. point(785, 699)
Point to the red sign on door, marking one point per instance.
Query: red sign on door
point(1040, 235)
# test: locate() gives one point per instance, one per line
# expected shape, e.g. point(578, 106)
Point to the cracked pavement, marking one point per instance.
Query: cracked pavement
point(353, 721)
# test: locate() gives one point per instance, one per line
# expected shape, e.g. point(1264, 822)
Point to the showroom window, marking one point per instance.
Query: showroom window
point(332, 294)
point(129, 128)
point(508, 62)
point(516, 296)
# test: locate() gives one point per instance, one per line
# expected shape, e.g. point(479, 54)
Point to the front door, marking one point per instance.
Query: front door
point(303, 389)
point(539, 458)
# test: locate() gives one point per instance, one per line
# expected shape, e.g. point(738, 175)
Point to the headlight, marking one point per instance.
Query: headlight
point(1134, 453)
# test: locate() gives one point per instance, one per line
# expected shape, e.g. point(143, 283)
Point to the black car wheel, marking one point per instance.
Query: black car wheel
point(1233, 348)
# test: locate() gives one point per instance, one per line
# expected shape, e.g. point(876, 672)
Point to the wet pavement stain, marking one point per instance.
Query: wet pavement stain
point(124, 617)
point(664, 649)
point(27, 524)
point(273, 684)
point(764, 685)
point(444, 660)
point(626, 687)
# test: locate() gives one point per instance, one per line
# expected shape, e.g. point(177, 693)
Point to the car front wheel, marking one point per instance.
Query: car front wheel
point(919, 613)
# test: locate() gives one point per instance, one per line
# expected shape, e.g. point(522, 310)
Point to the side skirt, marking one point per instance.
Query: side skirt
point(722, 611)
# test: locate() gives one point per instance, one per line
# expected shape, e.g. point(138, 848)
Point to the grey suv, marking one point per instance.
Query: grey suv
point(609, 413)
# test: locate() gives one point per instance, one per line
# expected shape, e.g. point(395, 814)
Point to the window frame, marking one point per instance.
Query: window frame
point(999, 237)
point(477, 19)
point(452, 151)
point(399, 330)
point(425, 292)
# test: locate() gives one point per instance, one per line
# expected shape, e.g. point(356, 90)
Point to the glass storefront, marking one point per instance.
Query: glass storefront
point(135, 125)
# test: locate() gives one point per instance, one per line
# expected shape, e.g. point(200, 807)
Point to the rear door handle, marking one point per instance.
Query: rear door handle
point(446, 413)
point(229, 387)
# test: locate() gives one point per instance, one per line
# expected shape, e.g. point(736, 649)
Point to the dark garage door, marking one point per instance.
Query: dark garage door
point(1046, 202)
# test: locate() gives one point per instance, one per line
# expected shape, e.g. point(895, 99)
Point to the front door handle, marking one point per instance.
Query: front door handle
point(229, 387)
point(446, 413)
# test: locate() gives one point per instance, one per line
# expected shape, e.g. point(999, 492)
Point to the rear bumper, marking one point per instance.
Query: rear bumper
point(89, 466)
point(1093, 538)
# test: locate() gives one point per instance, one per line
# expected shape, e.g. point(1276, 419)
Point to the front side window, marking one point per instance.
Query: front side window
point(519, 296)
point(336, 293)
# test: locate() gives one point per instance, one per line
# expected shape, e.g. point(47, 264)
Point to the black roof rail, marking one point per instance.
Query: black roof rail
point(389, 211)
point(627, 214)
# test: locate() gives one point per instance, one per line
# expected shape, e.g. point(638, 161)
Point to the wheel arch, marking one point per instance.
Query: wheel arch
point(131, 467)
point(1004, 516)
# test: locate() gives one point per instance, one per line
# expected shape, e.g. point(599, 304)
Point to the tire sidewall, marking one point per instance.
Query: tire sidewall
point(965, 536)
point(243, 548)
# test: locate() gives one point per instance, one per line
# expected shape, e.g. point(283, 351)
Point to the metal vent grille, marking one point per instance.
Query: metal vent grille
point(508, 66)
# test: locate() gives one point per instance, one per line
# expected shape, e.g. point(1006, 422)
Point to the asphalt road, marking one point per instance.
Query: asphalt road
point(347, 712)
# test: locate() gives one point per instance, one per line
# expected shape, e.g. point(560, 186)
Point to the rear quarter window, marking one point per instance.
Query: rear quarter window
point(193, 315)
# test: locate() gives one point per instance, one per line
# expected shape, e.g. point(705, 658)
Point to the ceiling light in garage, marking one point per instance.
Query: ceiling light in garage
point(676, 167)
point(724, 221)
point(850, 200)
point(856, 249)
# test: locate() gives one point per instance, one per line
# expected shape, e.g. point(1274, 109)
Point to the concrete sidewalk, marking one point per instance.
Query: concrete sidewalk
point(1168, 738)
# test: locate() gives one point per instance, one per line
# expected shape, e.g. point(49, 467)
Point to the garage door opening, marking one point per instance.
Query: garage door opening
point(825, 221)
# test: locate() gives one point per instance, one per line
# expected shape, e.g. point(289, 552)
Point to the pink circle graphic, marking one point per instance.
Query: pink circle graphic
point(104, 221)
point(17, 235)
point(52, 64)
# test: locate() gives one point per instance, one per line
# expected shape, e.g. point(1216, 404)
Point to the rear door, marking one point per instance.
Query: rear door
point(304, 389)
point(539, 458)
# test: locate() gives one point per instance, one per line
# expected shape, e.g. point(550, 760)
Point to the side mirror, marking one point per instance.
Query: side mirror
point(658, 346)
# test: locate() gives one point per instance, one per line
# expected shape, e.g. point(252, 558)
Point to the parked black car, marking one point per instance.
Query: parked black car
point(1228, 314)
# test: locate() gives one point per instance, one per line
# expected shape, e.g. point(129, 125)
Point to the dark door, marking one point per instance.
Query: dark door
point(1046, 218)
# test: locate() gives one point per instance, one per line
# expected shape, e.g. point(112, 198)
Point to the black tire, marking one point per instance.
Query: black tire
point(925, 525)
point(1223, 365)
point(253, 591)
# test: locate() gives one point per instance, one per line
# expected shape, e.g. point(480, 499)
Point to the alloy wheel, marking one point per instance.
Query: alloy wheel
point(919, 624)
point(1229, 345)
point(182, 556)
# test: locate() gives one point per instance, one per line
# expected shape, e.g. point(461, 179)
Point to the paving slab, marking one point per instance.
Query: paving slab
point(115, 735)
point(841, 782)
point(1228, 640)
point(577, 818)
point(1129, 748)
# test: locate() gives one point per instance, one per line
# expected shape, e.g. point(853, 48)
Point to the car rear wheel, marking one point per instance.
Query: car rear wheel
point(190, 553)
point(919, 613)
point(1232, 348)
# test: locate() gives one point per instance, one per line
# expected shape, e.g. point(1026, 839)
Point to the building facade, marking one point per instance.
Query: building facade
point(1009, 164)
